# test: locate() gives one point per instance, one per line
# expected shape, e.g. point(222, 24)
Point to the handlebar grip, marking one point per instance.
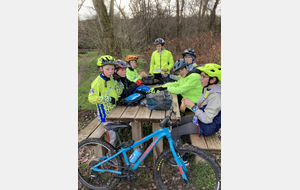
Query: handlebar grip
point(163, 122)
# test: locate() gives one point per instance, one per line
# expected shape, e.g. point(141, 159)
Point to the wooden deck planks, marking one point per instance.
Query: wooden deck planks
point(98, 133)
point(143, 115)
point(157, 115)
point(115, 114)
point(85, 133)
point(199, 142)
point(129, 114)
point(213, 143)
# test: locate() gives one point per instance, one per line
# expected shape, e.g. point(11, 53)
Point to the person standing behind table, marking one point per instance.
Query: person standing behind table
point(161, 59)
point(189, 55)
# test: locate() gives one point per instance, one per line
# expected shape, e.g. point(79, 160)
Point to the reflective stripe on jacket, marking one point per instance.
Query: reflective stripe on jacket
point(101, 95)
point(132, 75)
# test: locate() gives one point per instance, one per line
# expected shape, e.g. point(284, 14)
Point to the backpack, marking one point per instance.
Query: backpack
point(132, 100)
point(142, 89)
point(150, 80)
point(159, 101)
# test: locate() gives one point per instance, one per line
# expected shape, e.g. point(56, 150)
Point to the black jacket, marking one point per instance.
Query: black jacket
point(129, 86)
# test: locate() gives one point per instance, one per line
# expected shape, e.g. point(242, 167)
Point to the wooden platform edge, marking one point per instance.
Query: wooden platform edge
point(98, 133)
point(211, 143)
point(85, 133)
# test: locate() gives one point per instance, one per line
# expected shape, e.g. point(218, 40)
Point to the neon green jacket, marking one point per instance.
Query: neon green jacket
point(189, 87)
point(132, 75)
point(162, 60)
point(101, 95)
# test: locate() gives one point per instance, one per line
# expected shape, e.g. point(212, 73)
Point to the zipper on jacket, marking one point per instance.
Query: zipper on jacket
point(160, 61)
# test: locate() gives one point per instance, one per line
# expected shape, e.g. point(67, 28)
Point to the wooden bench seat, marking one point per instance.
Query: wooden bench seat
point(94, 130)
point(210, 143)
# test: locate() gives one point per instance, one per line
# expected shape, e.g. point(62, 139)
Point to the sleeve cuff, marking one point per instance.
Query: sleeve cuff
point(195, 108)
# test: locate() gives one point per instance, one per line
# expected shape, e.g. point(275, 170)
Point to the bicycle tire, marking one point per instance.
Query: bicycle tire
point(204, 171)
point(89, 152)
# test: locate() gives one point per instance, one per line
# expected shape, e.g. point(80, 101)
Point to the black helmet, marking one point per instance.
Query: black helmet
point(189, 52)
point(180, 64)
point(159, 41)
point(121, 64)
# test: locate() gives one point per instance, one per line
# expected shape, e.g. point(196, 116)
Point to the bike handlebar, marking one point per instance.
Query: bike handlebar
point(166, 119)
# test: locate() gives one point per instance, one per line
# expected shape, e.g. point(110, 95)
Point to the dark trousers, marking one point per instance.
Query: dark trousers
point(185, 127)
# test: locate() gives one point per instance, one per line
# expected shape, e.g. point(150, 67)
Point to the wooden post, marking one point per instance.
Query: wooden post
point(137, 131)
point(159, 146)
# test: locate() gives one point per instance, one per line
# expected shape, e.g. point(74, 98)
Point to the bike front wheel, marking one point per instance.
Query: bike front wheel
point(203, 171)
point(91, 152)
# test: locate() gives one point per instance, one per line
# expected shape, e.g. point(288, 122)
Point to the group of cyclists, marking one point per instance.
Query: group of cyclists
point(198, 87)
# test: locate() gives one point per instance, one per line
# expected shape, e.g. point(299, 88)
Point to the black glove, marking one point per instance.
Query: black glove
point(117, 78)
point(160, 89)
point(112, 100)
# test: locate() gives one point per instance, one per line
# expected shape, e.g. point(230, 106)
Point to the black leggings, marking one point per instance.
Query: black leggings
point(185, 127)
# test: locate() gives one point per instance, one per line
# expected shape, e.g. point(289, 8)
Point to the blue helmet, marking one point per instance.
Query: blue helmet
point(181, 63)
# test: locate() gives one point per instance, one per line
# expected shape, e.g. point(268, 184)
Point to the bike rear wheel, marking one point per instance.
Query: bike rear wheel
point(203, 171)
point(91, 152)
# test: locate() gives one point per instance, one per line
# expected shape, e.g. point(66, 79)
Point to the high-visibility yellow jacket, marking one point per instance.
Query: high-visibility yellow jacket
point(163, 60)
point(101, 95)
point(188, 87)
point(132, 75)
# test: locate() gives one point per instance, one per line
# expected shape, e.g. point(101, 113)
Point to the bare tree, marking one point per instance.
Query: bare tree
point(213, 15)
point(80, 5)
point(110, 42)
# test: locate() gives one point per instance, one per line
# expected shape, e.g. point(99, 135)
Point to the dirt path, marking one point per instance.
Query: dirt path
point(82, 68)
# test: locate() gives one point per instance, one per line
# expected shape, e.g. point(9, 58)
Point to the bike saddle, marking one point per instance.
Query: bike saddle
point(114, 126)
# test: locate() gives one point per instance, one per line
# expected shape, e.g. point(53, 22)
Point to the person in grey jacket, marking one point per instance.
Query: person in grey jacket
point(207, 118)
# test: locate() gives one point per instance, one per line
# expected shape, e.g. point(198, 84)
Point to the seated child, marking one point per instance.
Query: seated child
point(188, 86)
point(189, 55)
point(105, 91)
point(207, 118)
point(132, 74)
point(120, 75)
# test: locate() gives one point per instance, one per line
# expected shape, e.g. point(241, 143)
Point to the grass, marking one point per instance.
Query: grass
point(79, 63)
point(90, 54)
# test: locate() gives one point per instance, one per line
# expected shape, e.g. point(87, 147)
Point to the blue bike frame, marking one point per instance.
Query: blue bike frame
point(164, 132)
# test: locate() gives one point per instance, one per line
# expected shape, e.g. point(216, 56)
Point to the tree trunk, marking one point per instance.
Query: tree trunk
point(213, 15)
point(111, 11)
point(111, 45)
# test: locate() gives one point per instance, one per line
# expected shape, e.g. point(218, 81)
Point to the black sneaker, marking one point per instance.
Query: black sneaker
point(172, 161)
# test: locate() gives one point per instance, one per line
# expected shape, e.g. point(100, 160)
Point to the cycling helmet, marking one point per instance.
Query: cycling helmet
point(189, 52)
point(121, 64)
point(131, 57)
point(179, 64)
point(106, 60)
point(212, 70)
point(159, 41)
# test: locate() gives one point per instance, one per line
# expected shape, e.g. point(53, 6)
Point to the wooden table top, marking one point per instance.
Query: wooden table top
point(141, 114)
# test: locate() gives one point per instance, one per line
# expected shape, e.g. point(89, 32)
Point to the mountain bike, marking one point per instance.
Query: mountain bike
point(103, 166)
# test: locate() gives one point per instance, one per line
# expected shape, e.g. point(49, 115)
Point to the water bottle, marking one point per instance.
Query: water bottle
point(136, 154)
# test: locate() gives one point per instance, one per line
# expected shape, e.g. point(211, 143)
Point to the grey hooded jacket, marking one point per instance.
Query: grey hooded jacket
point(213, 105)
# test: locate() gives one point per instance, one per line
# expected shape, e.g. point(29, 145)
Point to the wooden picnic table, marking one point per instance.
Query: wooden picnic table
point(139, 114)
